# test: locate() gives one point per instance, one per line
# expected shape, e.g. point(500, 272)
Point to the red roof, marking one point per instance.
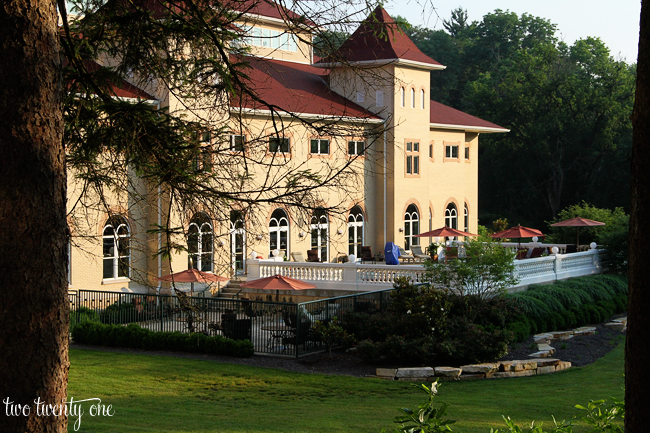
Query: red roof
point(445, 115)
point(295, 88)
point(379, 37)
point(121, 89)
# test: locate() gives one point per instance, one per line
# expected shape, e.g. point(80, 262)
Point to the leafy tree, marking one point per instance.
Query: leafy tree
point(485, 271)
point(615, 220)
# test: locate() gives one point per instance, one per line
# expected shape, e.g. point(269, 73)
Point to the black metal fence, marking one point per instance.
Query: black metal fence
point(274, 328)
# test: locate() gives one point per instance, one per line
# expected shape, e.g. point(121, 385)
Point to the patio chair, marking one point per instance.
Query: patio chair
point(522, 254)
point(416, 250)
point(298, 257)
point(537, 252)
point(404, 256)
point(366, 254)
point(312, 256)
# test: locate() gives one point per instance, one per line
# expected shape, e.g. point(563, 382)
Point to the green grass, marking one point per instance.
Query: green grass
point(164, 394)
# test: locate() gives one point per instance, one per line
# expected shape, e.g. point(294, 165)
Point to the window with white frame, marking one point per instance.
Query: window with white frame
point(279, 145)
point(116, 238)
point(200, 243)
point(402, 96)
point(356, 147)
point(412, 158)
point(411, 226)
point(237, 143)
point(320, 234)
point(269, 38)
point(279, 232)
point(451, 216)
point(319, 146)
point(237, 242)
point(451, 151)
point(422, 98)
point(355, 231)
point(466, 219)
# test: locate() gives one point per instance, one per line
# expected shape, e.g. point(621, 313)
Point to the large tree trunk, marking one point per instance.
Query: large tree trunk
point(33, 297)
point(637, 347)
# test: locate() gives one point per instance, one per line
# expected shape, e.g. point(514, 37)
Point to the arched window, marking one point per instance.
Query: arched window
point(320, 234)
point(411, 226)
point(412, 98)
point(237, 242)
point(279, 231)
point(422, 98)
point(403, 96)
point(451, 216)
point(117, 248)
point(466, 219)
point(355, 231)
point(199, 243)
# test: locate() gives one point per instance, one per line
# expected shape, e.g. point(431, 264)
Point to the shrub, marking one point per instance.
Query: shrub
point(520, 329)
point(83, 314)
point(133, 336)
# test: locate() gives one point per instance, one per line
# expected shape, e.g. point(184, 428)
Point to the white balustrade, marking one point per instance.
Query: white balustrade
point(368, 277)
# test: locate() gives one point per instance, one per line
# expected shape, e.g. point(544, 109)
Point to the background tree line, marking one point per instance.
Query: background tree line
point(567, 107)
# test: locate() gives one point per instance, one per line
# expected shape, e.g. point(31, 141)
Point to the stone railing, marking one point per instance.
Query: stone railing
point(359, 277)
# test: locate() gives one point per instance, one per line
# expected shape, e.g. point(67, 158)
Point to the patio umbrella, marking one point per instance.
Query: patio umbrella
point(443, 232)
point(193, 276)
point(277, 283)
point(518, 232)
point(578, 222)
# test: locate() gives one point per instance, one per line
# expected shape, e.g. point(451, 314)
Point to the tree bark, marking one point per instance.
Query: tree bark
point(33, 230)
point(637, 346)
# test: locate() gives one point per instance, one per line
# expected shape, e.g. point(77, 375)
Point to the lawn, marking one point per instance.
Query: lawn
point(164, 394)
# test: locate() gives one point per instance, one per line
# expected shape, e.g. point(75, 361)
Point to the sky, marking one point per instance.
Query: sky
point(615, 22)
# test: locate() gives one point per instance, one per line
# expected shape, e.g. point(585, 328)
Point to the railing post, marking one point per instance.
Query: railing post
point(253, 269)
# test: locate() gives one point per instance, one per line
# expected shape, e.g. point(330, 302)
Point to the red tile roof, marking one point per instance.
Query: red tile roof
point(121, 89)
point(295, 88)
point(379, 38)
point(441, 114)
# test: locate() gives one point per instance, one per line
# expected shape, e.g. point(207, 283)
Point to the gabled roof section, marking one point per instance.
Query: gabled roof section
point(445, 117)
point(296, 88)
point(379, 40)
point(265, 8)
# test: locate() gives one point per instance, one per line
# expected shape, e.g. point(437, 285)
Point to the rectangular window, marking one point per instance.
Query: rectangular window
point(356, 147)
point(237, 143)
point(467, 153)
point(431, 151)
point(412, 158)
point(320, 146)
point(379, 98)
point(361, 96)
point(451, 151)
point(278, 145)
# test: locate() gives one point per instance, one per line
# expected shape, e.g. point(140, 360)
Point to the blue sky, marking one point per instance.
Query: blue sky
point(615, 22)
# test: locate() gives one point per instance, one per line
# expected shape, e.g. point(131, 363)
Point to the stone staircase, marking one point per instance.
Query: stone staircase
point(231, 290)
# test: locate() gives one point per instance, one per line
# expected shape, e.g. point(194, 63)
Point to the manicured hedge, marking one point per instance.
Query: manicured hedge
point(568, 304)
point(134, 336)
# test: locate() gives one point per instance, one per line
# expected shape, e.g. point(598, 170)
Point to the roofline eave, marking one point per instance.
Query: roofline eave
point(257, 112)
point(468, 128)
point(381, 62)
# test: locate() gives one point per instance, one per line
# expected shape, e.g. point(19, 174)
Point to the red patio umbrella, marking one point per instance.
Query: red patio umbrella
point(193, 276)
point(277, 283)
point(518, 232)
point(578, 222)
point(443, 232)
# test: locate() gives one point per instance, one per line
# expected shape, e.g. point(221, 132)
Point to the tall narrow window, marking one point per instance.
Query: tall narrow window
point(467, 152)
point(117, 248)
point(355, 231)
point(199, 243)
point(279, 232)
point(422, 99)
point(402, 96)
point(379, 98)
point(451, 216)
point(237, 242)
point(412, 158)
point(411, 226)
point(466, 219)
point(320, 234)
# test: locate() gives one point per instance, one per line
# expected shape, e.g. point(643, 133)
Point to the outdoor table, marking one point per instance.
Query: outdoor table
point(278, 332)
